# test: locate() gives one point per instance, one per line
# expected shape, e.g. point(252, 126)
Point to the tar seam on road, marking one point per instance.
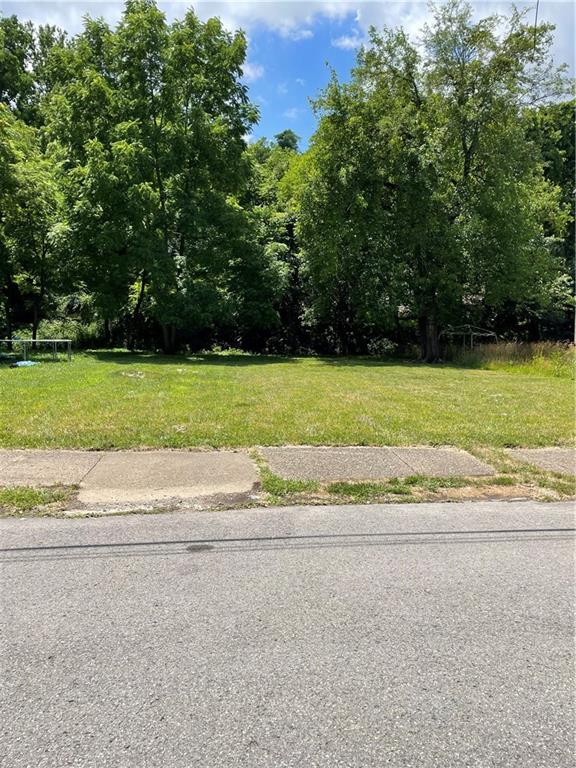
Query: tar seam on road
point(286, 538)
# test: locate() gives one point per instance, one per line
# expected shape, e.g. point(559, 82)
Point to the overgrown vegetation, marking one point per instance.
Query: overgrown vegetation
point(539, 359)
point(437, 190)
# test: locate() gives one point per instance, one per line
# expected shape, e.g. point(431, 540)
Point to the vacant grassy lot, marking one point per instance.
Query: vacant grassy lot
point(122, 400)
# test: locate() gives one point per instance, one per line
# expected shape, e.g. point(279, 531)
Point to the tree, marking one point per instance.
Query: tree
point(287, 139)
point(436, 191)
point(424, 194)
point(550, 128)
point(24, 71)
point(274, 211)
point(30, 210)
point(153, 119)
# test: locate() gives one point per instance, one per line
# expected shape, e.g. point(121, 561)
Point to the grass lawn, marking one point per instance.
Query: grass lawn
point(122, 400)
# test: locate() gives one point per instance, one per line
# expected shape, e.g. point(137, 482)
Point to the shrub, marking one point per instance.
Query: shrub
point(81, 334)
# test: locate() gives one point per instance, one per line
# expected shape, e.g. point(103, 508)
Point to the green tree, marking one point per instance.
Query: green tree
point(287, 139)
point(551, 130)
point(30, 207)
point(153, 117)
point(424, 194)
point(274, 211)
point(25, 75)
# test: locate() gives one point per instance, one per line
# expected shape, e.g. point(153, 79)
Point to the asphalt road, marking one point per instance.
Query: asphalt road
point(425, 635)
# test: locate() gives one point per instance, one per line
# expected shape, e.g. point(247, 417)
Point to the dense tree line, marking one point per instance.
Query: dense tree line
point(437, 189)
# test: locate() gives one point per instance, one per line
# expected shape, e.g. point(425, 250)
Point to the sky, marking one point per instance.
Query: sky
point(294, 44)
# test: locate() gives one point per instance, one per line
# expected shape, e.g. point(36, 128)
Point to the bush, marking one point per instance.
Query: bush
point(381, 348)
point(82, 335)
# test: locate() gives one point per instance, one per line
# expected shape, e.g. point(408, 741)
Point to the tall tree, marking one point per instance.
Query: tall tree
point(154, 117)
point(25, 75)
point(30, 207)
point(287, 139)
point(424, 193)
point(274, 211)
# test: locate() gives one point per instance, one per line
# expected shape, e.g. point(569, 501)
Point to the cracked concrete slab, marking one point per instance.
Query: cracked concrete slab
point(146, 477)
point(443, 462)
point(44, 468)
point(370, 463)
point(550, 459)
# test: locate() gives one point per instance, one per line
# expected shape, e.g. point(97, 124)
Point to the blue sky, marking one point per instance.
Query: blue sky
point(293, 44)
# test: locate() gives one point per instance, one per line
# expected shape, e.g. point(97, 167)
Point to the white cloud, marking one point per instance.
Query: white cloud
point(300, 81)
point(291, 19)
point(348, 42)
point(252, 71)
point(293, 113)
point(295, 19)
point(282, 89)
point(298, 34)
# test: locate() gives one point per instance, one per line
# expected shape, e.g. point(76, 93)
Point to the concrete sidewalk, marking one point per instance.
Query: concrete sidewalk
point(128, 479)
point(367, 463)
point(550, 459)
point(125, 480)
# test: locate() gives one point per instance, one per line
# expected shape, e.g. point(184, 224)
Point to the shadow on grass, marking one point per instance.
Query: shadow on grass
point(121, 357)
point(124, 357)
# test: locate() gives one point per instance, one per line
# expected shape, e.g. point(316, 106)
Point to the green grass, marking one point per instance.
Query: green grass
point(121, 400)
point(395, 486)
point(365, 492)
point(518, 480)
point(547, 358)
point(278, 487)
point(16, 501)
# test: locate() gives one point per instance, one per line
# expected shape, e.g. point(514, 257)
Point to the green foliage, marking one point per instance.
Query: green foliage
point(365, 492)
point(82, 334)
point(423, 192)
point(287, 139)
point(30, 206)
point(542, 359)
point(24, 68)
point(278, 487)
point(153, 117)
point(437, 190)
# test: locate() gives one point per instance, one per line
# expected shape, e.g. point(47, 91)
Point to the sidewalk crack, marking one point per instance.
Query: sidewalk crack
point(398, 456)
point(93, 467)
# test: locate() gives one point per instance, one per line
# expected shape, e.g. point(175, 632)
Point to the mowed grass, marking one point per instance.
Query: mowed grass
point(122, 400)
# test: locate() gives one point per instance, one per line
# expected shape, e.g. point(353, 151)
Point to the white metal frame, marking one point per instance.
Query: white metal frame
point(29, 342)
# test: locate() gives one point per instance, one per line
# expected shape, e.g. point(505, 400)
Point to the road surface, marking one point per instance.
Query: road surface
point(402, 635)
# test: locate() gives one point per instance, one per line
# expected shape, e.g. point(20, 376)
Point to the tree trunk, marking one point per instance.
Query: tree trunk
point(169, 338)
point(131, 342)
point(429, 339)
point(35, 320)
point(107, 334)
point(8, 312)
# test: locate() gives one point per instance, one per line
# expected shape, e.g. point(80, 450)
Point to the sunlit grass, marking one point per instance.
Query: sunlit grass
point(547, 358)
point(21, 500)
point(122, 400)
